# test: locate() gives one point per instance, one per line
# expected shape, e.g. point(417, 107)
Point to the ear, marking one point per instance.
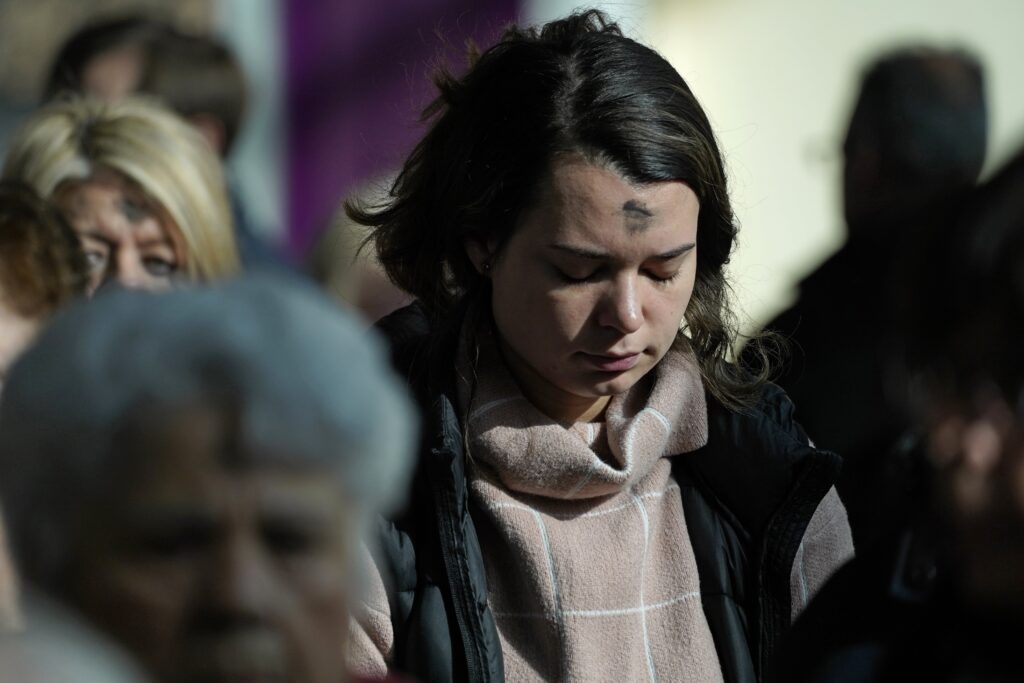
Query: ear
point(479, 254)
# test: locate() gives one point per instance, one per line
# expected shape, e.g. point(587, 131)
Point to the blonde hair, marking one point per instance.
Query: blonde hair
point(152, 147)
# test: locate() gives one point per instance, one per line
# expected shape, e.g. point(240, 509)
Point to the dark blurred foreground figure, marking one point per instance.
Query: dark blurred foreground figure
point(940, 597)
point(195, 75)
point(915, 144)
point(602, 495)
point(190, 471)
point(42, 269)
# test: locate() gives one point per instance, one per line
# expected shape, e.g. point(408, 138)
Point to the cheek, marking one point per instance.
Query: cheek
point(667, 307)
point(143, 607)
point(318, 625)
point(683, 297)
point(532, 314)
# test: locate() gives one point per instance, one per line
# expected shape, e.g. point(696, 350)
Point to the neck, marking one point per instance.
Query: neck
point(561, 406)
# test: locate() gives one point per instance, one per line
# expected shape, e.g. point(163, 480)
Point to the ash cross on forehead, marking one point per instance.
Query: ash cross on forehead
point(637, 216)
point(132, 211)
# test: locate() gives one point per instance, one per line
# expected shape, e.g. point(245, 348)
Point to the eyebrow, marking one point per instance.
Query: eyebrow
point(156, 242)
point(167, 514)
point(596, 255)
point(95, 234)
point(98, 234)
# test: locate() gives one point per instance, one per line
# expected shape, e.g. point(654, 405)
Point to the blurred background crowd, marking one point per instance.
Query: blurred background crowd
point(326, 113)
point(874, 151)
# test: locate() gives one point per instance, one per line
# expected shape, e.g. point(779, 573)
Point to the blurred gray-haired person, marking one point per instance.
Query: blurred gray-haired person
point(190, 471)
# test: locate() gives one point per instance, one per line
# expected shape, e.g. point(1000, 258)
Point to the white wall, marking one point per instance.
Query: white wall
point(254, 30)
point(778, 79)
point(632, 15)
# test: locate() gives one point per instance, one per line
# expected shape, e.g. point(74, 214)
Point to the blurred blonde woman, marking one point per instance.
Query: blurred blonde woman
point(141, 188)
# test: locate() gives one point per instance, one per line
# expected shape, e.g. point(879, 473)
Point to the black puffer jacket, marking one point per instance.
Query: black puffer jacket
point(748, 496)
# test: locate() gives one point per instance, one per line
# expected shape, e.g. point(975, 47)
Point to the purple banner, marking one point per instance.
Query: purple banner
point(357, 78)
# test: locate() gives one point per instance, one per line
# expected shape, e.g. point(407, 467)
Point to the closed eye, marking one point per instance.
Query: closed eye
point(575, 278)
point(661, 279)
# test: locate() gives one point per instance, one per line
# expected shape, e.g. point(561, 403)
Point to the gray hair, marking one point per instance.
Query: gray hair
point(309, 384)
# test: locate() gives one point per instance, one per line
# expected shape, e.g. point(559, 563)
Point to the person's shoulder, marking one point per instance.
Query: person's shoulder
point(408, 333)
point(769, 414)
point(756, 454)
point(405, 327)
point(776, 408)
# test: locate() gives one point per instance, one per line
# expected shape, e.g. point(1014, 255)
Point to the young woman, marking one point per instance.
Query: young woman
point(600, 495)
point(141, 188)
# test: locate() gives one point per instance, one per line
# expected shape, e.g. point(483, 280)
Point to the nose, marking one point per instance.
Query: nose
point(622, 308)
point(239, 584)
point(127, 269)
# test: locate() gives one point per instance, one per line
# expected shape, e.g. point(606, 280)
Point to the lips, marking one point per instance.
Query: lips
point(248, 654)
point(612, 362)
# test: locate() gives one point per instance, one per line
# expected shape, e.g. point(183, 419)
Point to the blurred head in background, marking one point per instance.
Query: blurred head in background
point(964, 353)
point(42, 267)
point(195, 75)
point(963, 331)
point(105, 59)
point(918, 132)
point(191, 469)
point(140, 187)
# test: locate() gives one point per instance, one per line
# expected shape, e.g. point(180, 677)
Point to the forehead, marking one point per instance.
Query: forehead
point(102, 187)
point(111, 204)
point(197, 454)
point(585, 201)
point(114, 73)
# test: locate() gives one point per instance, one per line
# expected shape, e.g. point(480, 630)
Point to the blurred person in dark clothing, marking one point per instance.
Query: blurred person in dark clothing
point(915, 144)
point(190, 471)
point(196, 75)
point(940, 597)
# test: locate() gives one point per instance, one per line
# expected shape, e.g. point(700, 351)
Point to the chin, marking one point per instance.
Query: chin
point(616, 385)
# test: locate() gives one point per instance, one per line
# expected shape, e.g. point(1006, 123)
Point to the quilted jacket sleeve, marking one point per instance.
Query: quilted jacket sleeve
point(827, 545)
point(371, 635)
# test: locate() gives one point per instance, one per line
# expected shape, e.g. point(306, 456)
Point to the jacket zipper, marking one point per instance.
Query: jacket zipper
point(454, 570)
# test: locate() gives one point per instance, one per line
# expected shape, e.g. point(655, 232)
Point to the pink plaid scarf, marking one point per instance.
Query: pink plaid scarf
point(590, 570)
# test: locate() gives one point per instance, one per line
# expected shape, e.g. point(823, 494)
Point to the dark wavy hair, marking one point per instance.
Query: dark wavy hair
point(575, 85)
point(42, 267)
